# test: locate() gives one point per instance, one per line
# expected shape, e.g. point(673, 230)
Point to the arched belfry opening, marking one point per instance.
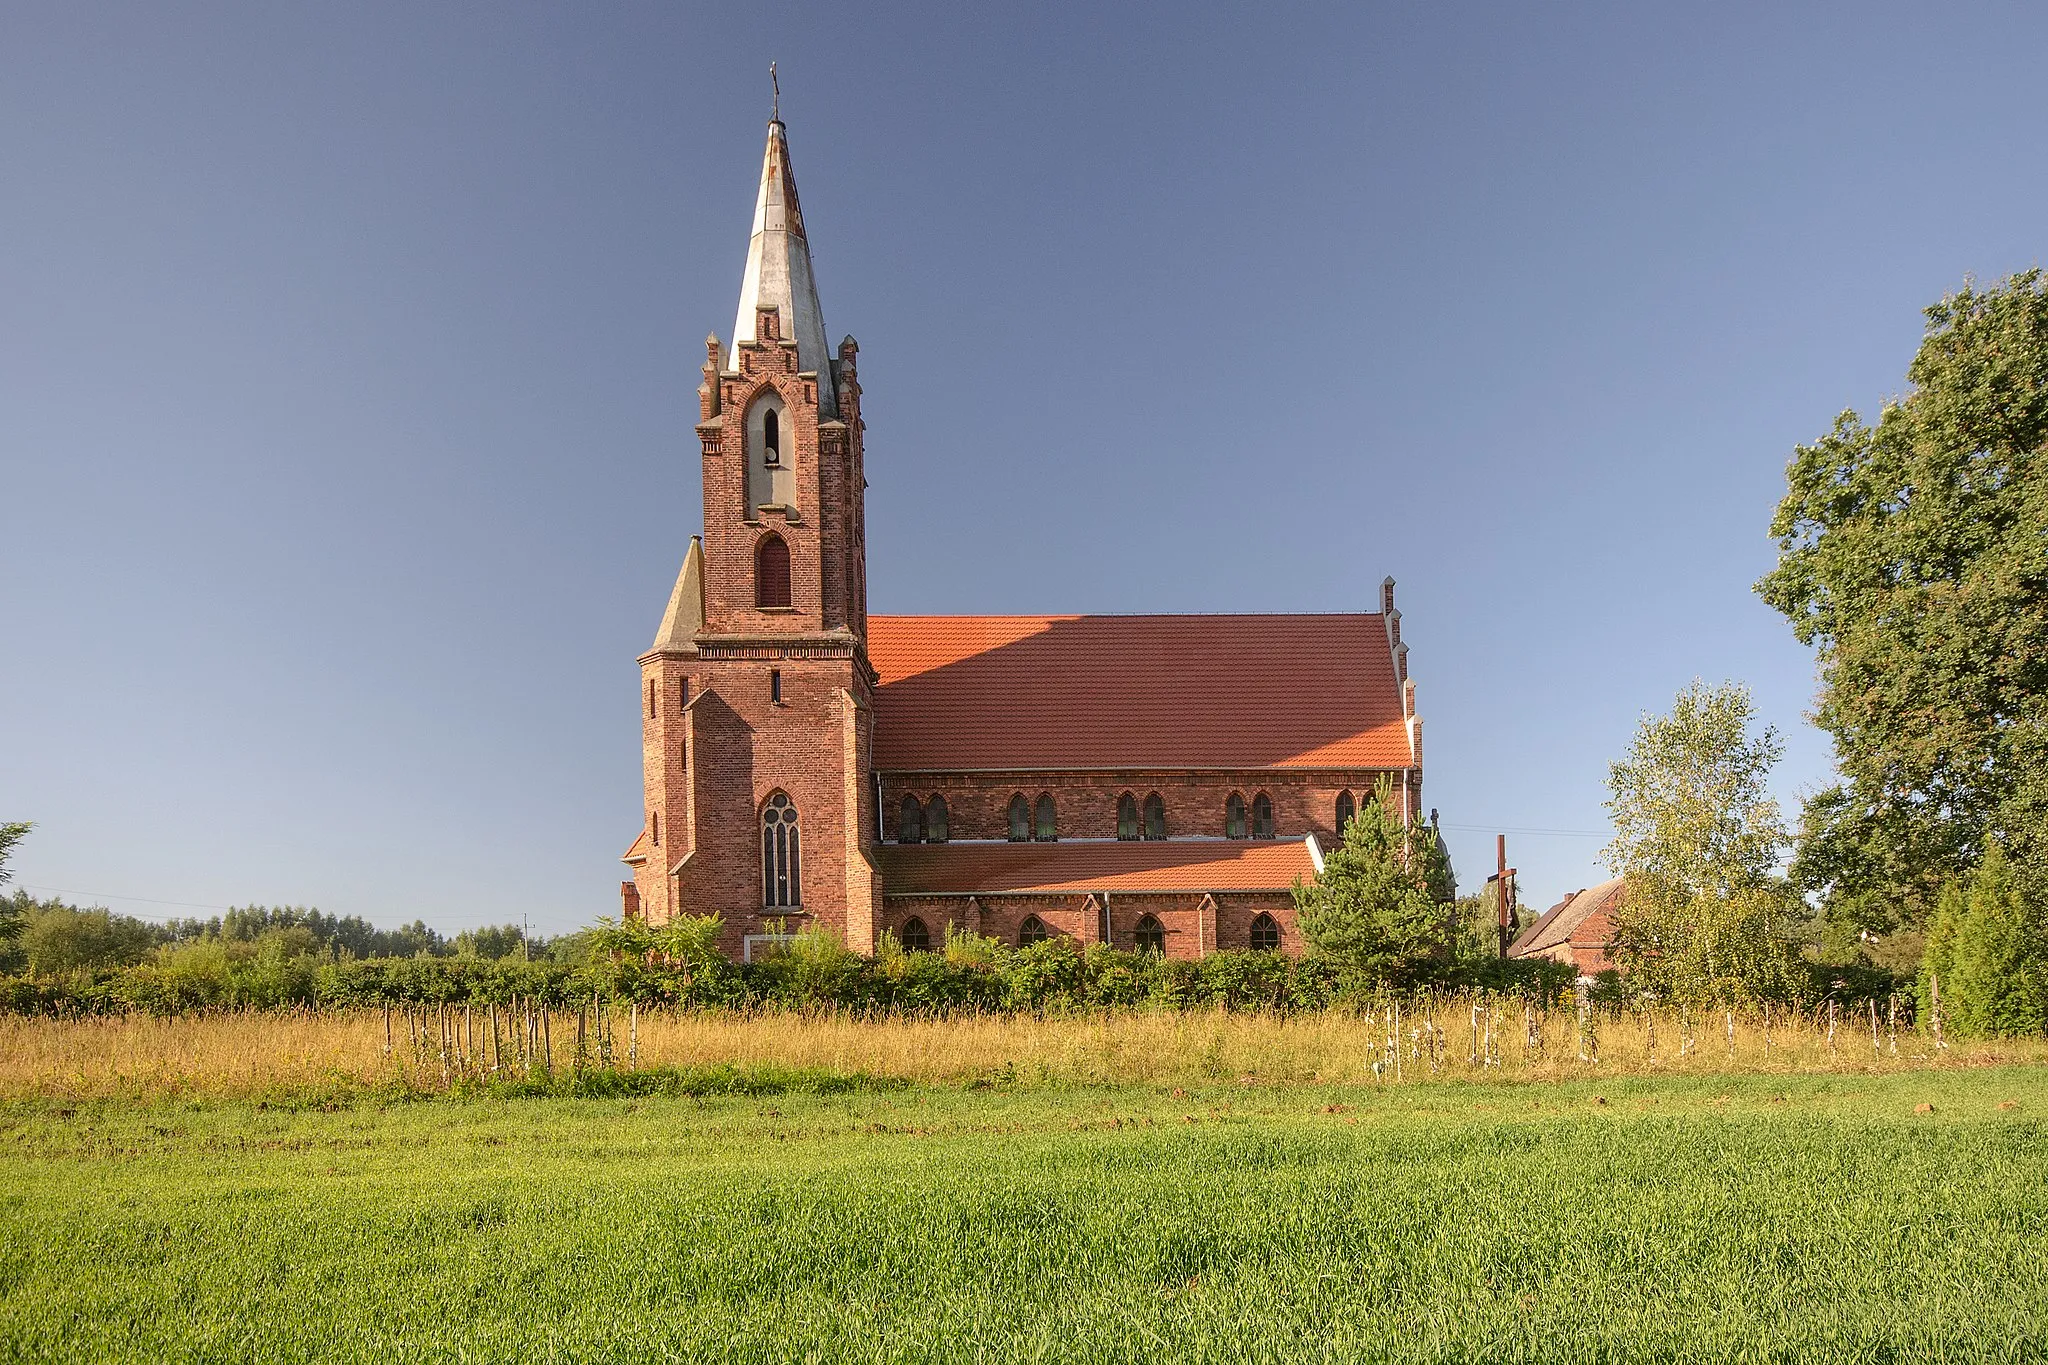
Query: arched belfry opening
point(771, 455)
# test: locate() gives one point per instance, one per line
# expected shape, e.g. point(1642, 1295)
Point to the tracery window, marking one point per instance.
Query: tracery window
point(1234, 826)
point(1126, 817)
point(1346, 808)
point(1155, 817)
point(1045, 832)
point(1020, 819)
point(1265, 932)
point(1262, 817)
point(1031, 931)
point(936, 826)
point(910, 822)
point(1150, 935)
point(781, 872)
point(915, 936)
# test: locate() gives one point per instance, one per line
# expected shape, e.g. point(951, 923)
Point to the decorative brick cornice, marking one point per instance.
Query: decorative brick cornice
point(1131, 777)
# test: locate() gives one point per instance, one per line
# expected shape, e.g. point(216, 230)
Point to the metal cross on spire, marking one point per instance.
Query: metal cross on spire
point(775, 113)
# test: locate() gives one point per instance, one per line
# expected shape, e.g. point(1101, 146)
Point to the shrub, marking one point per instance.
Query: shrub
point(1243, 978)
point(1045, 975)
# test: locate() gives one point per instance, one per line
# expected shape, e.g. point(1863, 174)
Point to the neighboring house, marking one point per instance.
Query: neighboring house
point(1576, 931)
point(1155, 782)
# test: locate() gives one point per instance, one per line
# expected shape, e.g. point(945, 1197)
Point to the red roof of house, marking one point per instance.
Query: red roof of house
point(1582, 922)
point(1194, 865)
point(1019, 692)
point(638, 851)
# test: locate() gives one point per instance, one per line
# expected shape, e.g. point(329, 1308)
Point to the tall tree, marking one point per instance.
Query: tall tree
point(1912, 557)
point(10, 836)
point(1705, 916)
point(1378, 906)
point(10, 909)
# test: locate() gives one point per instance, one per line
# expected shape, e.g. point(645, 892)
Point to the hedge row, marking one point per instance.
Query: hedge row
point(1053, 975)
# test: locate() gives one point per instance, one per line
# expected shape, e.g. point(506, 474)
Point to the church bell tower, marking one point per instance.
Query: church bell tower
point(757, 694)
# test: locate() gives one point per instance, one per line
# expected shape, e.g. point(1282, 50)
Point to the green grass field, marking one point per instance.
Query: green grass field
point(1757, 1218)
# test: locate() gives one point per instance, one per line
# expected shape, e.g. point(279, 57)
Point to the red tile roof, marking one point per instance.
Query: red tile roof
point(1008, 692)
point(1195, 865)
point(1581, 923)
point(638, 852)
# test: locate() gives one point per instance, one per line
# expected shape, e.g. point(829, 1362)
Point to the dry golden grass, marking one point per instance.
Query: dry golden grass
point(251, 1054)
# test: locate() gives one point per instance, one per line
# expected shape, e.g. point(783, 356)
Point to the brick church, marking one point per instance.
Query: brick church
point(1146, 781)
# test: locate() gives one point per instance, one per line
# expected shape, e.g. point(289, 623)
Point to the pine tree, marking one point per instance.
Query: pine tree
point(1377, 906)
point(1999, 963)
point(1937, 958)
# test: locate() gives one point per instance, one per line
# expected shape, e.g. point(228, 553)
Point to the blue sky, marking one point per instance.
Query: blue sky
point(348, 353)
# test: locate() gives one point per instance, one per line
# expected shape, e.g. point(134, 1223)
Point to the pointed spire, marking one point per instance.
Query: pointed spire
point(685, 614)
point(779, 271)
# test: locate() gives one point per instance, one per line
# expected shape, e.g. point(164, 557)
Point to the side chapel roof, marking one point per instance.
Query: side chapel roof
point(1107, 865)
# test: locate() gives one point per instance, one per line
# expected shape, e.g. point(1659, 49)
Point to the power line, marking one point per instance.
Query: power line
point(1511, 829)
point(109, 896)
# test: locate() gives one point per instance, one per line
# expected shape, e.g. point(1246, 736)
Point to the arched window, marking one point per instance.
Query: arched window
point(1020, 819)
point(1031, 931)
point(1262, 817)
point(1155, 817)
point(1265, 932)
point(910, 822)
point(771, 572)
point(936, 830)
point(915, 936)
point(1150, 935)
point(771, 456)
point(1045, 832)
point(1345, 810)
point(1126, 817)
point(781, 872)
point(1234, 826)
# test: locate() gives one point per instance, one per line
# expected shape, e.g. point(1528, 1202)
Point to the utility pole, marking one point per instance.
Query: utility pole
point(1504, 892)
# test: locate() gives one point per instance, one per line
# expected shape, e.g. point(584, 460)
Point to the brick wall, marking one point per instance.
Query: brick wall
point(738, 747)
point(978, 805)
point(1193, 929)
